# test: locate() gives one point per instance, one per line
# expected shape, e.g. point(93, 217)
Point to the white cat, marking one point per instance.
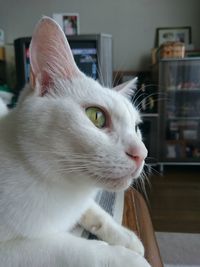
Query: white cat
point(67, 137)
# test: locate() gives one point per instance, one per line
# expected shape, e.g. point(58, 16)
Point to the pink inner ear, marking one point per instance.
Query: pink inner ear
point(45, 83)
point(50, 55)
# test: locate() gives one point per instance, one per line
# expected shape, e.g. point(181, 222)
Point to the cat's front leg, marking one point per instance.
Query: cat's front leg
point(101, 224)
point(65, 250)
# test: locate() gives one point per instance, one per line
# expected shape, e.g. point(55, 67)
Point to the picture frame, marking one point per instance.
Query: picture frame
point(69, 22)
point(174, 34)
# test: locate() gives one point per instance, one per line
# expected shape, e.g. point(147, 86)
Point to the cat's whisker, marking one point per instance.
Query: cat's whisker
point(75, 160)
point(154, 171)
point(148, 97)
point(146, 178)
point(70, 170)
point(138, 97)
point(140, 185)
point(64, 153)
point(140, 91)
point(116, 79)
point(99, 72)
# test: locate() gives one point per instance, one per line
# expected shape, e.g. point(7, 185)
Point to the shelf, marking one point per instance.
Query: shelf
point(182, 141)
point(182, 90)
point(149, 115)
point(172, 162)
point(180, 127)
point(183, 118)
point(179, 60)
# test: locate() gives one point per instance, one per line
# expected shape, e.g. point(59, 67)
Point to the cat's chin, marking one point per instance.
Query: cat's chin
point(115, 184)
point(119, 183)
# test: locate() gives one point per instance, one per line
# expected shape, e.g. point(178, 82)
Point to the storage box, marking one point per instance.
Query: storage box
point(172, 50)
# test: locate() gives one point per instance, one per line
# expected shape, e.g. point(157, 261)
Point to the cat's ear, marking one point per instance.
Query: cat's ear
point(127, 89)
point(50, 56)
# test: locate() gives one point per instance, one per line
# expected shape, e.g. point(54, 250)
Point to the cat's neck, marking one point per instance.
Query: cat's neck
point(12, 156)
point(40, 204)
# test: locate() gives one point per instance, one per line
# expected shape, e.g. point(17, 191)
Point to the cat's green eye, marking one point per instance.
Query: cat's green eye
point(97, 116)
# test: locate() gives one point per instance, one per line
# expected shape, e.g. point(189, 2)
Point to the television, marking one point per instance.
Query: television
point(92, 53)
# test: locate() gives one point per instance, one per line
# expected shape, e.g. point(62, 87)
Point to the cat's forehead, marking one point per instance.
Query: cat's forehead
point(122, 109)
point(92, 93)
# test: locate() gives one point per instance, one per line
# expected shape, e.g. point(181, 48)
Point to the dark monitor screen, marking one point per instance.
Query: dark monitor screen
point(85, 55)
point(27, 62)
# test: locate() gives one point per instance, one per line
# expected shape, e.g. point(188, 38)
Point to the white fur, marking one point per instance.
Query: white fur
point(53, 160)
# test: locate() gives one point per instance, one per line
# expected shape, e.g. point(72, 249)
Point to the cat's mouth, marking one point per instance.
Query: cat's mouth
point(115, 182)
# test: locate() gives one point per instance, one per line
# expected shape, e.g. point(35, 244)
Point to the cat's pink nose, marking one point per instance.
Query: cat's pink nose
point(137, 153)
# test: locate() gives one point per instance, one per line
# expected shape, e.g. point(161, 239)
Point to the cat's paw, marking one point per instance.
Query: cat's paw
point(126, 238)
point(131, 241)
point(99, 223)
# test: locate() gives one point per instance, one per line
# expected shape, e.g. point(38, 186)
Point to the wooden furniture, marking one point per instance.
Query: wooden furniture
point(175, 199)
point(136, 217)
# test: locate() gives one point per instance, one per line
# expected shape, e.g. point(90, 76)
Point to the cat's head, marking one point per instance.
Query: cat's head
point(71, 126)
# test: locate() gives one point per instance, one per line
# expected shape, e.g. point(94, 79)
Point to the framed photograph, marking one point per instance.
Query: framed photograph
point(174, 34)
point(69, 22)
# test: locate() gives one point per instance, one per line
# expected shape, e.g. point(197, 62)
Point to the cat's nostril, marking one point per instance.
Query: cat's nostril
point(137, 159)
point(137, 153)
point(129, 155)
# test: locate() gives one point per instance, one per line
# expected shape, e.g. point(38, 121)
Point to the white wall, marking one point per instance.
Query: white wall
point(132, 23)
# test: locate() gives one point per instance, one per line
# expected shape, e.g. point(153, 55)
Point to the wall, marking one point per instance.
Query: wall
point(132, 23)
